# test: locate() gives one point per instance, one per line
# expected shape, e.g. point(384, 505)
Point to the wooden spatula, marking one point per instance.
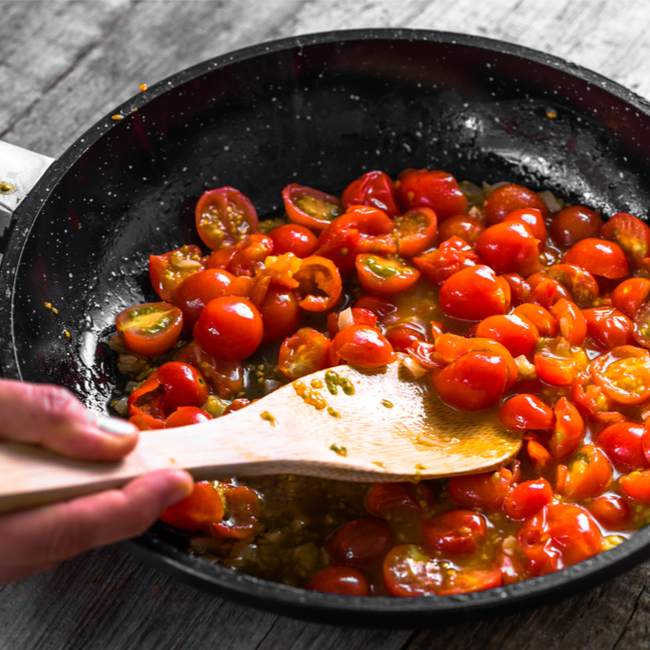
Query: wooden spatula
point(340, 423)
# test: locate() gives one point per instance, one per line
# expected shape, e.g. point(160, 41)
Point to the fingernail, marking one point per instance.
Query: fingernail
point(116, 426)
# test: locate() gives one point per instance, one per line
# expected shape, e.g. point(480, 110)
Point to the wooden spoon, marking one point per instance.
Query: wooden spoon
point(340, 423)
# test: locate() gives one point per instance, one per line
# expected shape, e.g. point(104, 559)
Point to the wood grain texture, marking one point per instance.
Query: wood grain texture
point(64, 64)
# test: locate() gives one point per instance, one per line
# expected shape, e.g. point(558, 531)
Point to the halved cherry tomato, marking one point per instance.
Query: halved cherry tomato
point(145, 404)
point(360, 543)
point(183, 385)
point(319, 284)
point(510, 197)
point(611, 511)
point(186, 415)
point(630, 295)
point(167, 271)
point(541, 317)
point(572, 224)
point(361, 345)
point(241, 519)
point(636, 486)
point(304, 352)
point(294, 238)
point(641, 330)
point(558, 536)
point(309, 207)
point(340, 580)
point(415, 231)
point(229, 328)
point(593, 402)
point(581, 284)
point(198, 289)
point(384, 276)
point(450, 257)
point(150, 329)
point(599, 257)
point(434, 189)
point(570, 320)
point(622, 442)
point(525, 411)
point(527, 498)
point(510, 247)
point(534, 219)
point(224, 217)
point(624, 374)
point(474, 293)
point(456, 532)
point(631, 234)
point(204, 506)
point(374, 189)
point(558, 362)
point(281, 315)
point(607, 327)
point(514, 332)
point(487, 490)
point(244, 258)
point(465, 226)
point(568, 431)
point(384, 499)
point(590, 473)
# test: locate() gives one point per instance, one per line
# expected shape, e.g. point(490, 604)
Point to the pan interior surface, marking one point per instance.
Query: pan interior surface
point(318, 111)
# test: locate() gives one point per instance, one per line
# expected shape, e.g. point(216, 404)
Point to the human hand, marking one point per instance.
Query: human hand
point(36, 540)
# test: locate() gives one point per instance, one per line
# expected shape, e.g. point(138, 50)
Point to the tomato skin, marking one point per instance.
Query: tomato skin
point(631, 234)
point(621, 442)
point(580, 283)
point(186, 415)
point(229, 328)
point(534, 219)
point(415, 231)
point(201, 508)
point(474, 294)
point(487, 490)
point(198, 289)
point(570, 320)
point(510, 247)
point(336, 321)
point(636, 486)
point(145, 404)
point(456, 532)
point(573, 224)
point(515, 332)
point(384, 276)
point(363, 346)
point(317, 276)
point(568, 432)
point(590, 474)
point(541, 317)
point(384, 499)
point(526, 411)
point(599, 257)
point(293, 238)
point(404, 335)
point(608, 328)
point(558, 362)
point(183, 385)
point(281, 315)
point(434, 189)
point(527, 498)
point(611, 511)
point(374, 189)
point(558, 536)
point(150, 329)
point(224, 217)
point(510, 197)
point(623, 373)
point(466, 227)
point(308, 207)
point(342, 580)
point(361, 543)
point(304, 352)
point(245, 258)
point(167, 271)
point(630, 295)
point(450, 257)
point(242, 505)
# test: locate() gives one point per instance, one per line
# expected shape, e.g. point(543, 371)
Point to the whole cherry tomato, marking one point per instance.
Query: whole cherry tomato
point(571, 321)
point(384, 276)
point(527, 498)
point(572, 224)
point(340, 580)
point(608, 328)
point(514, 332)
point(309, 207)
point(167, 271)
point(486, 490)
point(186, 415)
point(543, 320)
point(374, 189)
point(294, 238)
point(457, 532)
point(465, 226)
point(534, 219)
point(621, 442)
point(304, 352)
point(183, 385)
point(599, 257)
point(433, 189)
point(631, 234)
point(510, 247)
point(361, 543)
point(510, 197)
point(198, 289)
point(361, 345)
point(150, 329)
point(611, 511)
point(204, 506)
point(525, 411)
point(281, 315)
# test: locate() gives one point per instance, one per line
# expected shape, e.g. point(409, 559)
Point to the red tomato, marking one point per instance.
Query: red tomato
point(572, 224)
point(487, 490)
point(245, 258)
point(281, 315)
point(361, 345)
point(593, 402)
point(167, 271)
point(519, 288)
point(294, 238)
point(336, 321)
point(384, 276)
point(374, 189)
point(507, 198)
point(525, 411)
point(510, 247)
point(527, 498)
point(630, 295)
point(305, 352)
point(384, 308)
point(224, 217)
point(198, 289)
point(581, 284)
point(636, 486)
point(186, 415)
point(641, 331)
point(622, 444)
point(404, 335)
point(534, 219)
point(435, 189)
point(558, 536)
point(449, 258)
point(631, 234)
point(589, 474)
point(384, 499)
point(608, 327)
point(145, 404)
point(538, 454)
point(474, 294)
point(319, 284)
point(456, 532)
point(599, 257)
point(558, 362)
point(543, 320)
point(340, 580)
point(150, 329)
point(624, 374)
point(241, 519)
point(415, 231)
point(611, 511)
point(183, 385)
point(229, 328)
point(309, 207)
point(570, 320)
point(464, 226)
point(545, 290)
point(569, 430)
point(361, 543)
point(204, 506)
point(514, 332)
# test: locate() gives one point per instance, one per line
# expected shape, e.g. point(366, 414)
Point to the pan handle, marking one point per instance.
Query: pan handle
point(20, 169)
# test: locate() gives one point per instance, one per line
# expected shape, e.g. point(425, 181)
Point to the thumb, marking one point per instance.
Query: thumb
point(51, 416)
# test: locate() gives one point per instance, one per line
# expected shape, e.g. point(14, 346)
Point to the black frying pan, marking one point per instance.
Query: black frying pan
point(317, 110)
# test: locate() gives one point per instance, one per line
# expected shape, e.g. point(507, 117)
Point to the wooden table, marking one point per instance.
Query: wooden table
point(66, 63)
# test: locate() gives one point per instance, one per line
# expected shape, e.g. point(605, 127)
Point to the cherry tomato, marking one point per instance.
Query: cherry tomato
point(624, 374)
point(510, 197)
point(474, 294)
point(519, 288)
point(593, 402)
point(539, 455)
point(487, 490)
point(581, 284)
point(432, 189)
point(558, 362)
point(510, 247)
point(527, 498)
point(636, 486)
point(241, 519)
point(404, 335)
point(387, 499)
point(543, 320)
point(304, 352)
point(608, 328)
point(611, 511)
point(336, 321)
point(450, 257)
point(244, 258)
point(281, 315)
point(599, 257)
point(384, 276)
point(229, 328)
point(558, 536)
point(465, 226)
point(150, 329)
point(573, 224)
point(622, 444)
point(198, 289)
point(534, 219)
point(545, 290)
point(361, 543)
point(224, 217)
point(145, 404)
point(641, 331)
point(294, 238)
point(631, 234)
point(374, 189)
point(167, 271)
point(630, 295)
point(186, 415)
point(183, 385)
point(457, 532)
point(590, 473)
point(361, 345)
point(570, 320)
point(309, 207)
point(204, 506)
point(415, 231)
point(525, 411)
point(514, 332)
point(319, 284)
point(568, 431)
point(340, 580)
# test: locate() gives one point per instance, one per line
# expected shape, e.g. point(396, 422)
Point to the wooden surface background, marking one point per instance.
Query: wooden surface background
point(66, 63)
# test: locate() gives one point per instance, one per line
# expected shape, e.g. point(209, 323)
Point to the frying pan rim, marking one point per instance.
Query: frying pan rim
point(384, 611)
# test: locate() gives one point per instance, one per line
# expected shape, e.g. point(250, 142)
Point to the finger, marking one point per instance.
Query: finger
point(53, 417)
point(54, 533)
